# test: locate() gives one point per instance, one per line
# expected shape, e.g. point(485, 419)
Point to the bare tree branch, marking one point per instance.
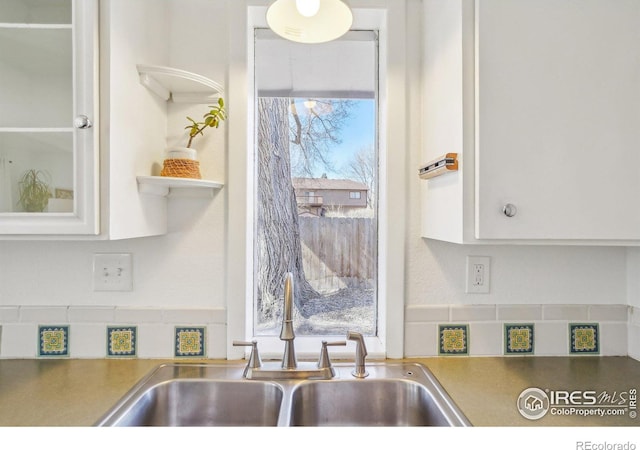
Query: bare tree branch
point(313, 131)
point(363, 168)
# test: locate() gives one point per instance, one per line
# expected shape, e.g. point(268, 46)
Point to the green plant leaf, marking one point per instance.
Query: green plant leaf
point(212, 119)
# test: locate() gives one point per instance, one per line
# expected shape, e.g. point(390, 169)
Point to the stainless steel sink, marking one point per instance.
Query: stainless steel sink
point(185, 394)
point(366, 403)
point(205, 403)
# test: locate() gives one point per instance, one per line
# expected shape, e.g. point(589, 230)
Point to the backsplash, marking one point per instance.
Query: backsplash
point(122, 342)
point(507, 330)
point(471, 330)
point(116, 332)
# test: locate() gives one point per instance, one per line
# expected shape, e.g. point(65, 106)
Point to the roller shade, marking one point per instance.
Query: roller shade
point(344, 68)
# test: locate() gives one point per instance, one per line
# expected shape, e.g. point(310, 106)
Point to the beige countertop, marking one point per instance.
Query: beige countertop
point(78, 392)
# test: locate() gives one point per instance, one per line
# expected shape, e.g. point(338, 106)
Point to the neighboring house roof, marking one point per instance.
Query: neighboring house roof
point(317, 184)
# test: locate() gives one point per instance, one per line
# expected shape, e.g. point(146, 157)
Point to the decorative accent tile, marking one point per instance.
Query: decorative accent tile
point(122, 341)
point(53, 340)
point(454, 340)
point(518, 339)
point(189, 342)
point(584, 338)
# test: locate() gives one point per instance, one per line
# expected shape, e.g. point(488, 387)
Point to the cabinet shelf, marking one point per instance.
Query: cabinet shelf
point(37, 26)
point(38, 139)
point(178, 85)
point(36, 130)
point(165, 186)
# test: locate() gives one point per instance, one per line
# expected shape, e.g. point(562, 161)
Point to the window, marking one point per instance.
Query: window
point(390, 17)
point(316, 135)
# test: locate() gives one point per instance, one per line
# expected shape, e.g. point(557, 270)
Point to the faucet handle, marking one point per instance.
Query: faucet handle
point(324, 361)
point(254, 357)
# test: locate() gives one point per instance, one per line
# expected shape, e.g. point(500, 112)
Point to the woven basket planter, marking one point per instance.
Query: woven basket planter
point(181, 168)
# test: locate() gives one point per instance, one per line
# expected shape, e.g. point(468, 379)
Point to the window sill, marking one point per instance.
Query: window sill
point(308, 348)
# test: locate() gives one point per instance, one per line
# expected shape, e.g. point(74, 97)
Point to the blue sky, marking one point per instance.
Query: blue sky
point(358, 132)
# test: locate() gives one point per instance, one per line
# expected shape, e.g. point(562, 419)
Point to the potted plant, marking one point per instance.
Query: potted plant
point(211, 119)
point(181, 161)
point(34, 191)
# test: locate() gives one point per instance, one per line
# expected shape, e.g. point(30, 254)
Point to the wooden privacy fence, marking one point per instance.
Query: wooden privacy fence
point(338, 252)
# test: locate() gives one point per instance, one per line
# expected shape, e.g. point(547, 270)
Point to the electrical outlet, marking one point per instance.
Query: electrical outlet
point(112, 272)
point(478, 274)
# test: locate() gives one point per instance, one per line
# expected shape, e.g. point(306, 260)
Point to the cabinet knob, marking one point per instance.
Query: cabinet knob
point(82, 122)
point(509, 210)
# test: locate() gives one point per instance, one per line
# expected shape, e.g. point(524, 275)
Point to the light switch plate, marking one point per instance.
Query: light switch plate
point(112, 272)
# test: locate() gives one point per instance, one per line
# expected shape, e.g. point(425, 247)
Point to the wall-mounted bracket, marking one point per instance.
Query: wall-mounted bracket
point(444, 164)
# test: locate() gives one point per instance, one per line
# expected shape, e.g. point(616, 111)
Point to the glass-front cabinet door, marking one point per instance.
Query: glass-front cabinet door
point(48, 115)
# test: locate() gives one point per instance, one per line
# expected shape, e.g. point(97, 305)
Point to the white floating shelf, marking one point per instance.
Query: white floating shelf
point(178, 85)
point(165, 186)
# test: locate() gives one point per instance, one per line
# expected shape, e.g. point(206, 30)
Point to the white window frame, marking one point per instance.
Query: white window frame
point(388, 17)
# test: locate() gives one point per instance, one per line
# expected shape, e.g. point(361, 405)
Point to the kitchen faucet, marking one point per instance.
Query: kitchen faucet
point(289, 367)
point(361, 353)
point(286, 334)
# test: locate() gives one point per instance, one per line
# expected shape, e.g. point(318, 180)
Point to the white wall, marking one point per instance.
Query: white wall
point(633, 292)
point(633, 276)
point(187, 267)
point(519, 274)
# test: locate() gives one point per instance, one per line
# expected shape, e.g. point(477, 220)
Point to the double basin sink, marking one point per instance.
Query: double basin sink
point(182, 394)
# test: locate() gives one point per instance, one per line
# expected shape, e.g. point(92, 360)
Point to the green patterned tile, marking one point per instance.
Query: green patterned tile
point(53, 340)
point(453, 340)
point(518, 339)
point(584, 338)
point(189, 342)
point(122, 341)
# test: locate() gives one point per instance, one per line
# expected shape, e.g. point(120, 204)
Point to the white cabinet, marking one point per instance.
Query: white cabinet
point(138, 95)
point(541, 99)
point(48, 116)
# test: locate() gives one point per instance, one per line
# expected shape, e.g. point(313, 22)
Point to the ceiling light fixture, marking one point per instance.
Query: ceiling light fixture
point(308, 8)
point(309, 21)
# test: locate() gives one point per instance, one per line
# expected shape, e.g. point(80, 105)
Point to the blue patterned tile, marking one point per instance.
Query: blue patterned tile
point(453, 340)
point(585, 338)
point(189, 342)
point(122, 341)
point(518, 339)
point(53, 340)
